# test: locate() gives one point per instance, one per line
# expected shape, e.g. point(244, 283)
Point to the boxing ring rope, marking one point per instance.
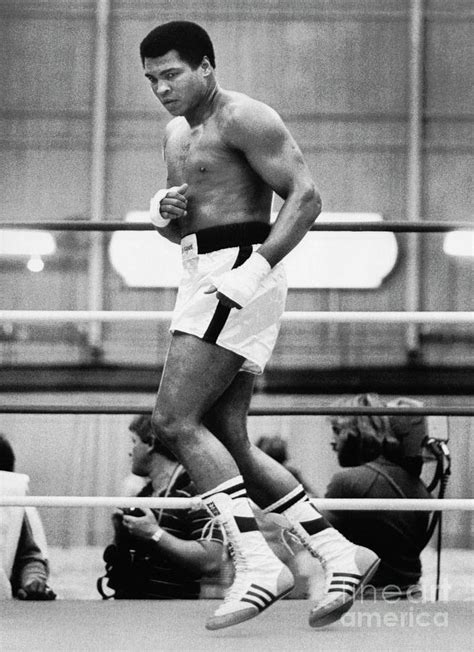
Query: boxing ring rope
point(99, 501)
point(348, 317)
point(346, 504)
point(295, 410)
point(394, 226)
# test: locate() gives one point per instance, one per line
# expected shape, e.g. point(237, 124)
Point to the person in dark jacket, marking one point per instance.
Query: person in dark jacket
point(382, 458)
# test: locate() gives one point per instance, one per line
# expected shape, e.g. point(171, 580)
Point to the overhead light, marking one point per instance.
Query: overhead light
point(341, 259)
point(459, 243)
point(35, 264)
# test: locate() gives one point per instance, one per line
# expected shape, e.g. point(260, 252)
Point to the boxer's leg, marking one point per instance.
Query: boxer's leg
point(348, 567)
point(196, 374)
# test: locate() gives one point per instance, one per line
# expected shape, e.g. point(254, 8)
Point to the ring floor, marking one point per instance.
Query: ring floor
point(179, 625)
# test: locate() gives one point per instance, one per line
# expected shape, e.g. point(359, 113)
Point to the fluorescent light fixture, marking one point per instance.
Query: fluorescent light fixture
point(342, 259)
point(459, 243)
point(337, 259)
point(144, 258)
point(28, 242)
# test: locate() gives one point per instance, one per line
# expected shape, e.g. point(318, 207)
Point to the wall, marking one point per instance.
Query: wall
point(337, 71)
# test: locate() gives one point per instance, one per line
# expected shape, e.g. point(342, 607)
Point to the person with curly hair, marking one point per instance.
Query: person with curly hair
point(381, 457)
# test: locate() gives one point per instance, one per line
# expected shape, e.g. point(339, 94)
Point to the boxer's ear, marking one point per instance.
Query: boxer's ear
point(206, 67)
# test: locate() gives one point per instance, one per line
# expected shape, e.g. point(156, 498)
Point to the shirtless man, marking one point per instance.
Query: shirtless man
point(226, 154)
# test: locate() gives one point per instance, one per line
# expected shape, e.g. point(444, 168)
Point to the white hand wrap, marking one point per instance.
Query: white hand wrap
point(241, 284)
point(155, 215)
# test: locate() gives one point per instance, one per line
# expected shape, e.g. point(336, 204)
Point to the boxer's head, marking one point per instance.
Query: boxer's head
point(189, 40)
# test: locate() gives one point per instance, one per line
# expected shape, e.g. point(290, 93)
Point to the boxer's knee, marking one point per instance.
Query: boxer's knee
point(231, 430)
point(172, 431)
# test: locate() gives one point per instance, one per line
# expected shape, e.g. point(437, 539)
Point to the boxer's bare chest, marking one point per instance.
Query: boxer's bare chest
point(192, 154)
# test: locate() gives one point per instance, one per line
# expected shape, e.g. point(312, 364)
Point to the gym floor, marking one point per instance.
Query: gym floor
point(89, 625)
point(79, 620)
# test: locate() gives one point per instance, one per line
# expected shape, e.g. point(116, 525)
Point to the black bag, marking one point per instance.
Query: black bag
point(126, 573)
point(129, 569)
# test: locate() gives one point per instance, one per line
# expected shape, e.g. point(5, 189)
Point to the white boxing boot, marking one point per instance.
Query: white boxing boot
point(347, 567)
point(260, 577)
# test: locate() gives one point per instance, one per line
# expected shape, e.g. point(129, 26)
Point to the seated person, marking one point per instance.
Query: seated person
point(159, 553)
point(375, 448)
point(24, 568)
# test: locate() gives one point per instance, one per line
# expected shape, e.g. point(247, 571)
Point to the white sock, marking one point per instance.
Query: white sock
point(297, 506)
point(241, 508)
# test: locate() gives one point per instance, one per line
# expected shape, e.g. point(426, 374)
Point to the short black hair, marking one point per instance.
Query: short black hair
point(143, 428)
point(190, 40)
point(7, 456)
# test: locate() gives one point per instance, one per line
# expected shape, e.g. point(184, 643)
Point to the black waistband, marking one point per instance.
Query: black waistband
point(231, 235)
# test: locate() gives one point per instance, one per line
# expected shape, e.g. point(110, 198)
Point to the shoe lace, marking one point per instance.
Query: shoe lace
point(209, 528)
point(287, 535)
point(303, 539)
point(240, 582)
point(236, 554)
point(292, 532)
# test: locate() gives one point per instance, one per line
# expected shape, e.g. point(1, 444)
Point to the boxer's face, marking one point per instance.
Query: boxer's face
point(175, 83)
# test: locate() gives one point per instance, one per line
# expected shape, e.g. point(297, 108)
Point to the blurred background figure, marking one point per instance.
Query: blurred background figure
point(383, 458)
point(160, 553)
point(277, 448)
point(24, 568)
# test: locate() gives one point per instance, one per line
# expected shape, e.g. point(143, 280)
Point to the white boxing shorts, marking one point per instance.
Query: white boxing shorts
point(251, 332)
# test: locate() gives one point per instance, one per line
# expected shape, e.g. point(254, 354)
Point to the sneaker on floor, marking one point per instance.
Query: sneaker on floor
point(343, 586)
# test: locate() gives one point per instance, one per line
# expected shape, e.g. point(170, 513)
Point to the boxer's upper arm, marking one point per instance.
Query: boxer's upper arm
point(260, 134)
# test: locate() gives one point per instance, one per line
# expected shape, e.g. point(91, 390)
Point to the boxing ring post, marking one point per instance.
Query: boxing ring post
point(96, 259)
point(414, 167)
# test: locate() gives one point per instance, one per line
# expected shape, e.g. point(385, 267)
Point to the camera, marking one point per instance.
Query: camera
point(133, 511)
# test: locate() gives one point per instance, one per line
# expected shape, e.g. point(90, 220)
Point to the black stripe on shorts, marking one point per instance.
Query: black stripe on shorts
point(222, 312)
